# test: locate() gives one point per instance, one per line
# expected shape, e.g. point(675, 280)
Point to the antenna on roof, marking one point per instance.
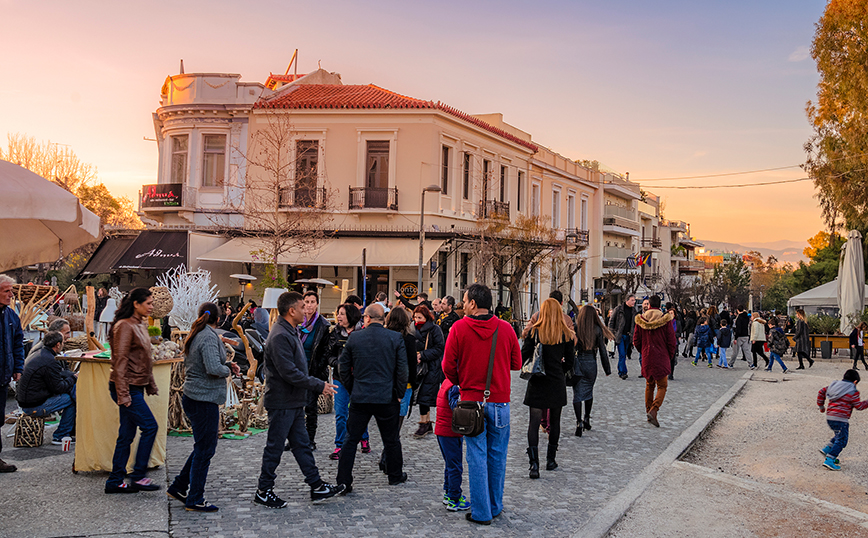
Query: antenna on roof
point(319, 64)
point(293, 60)
point(182, 66)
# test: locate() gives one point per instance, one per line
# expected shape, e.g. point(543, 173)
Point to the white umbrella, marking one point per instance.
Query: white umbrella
point(39, 221)
point(851, 281)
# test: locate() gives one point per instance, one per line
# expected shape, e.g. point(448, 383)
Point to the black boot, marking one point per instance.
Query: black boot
point(551, 464)
point(577, 407)
point(587, 422)
point(533, 455)
point(579, 428)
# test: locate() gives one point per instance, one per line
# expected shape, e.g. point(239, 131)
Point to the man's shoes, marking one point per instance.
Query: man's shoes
point(203, 506)
point(123, 487)
point(268, 499)
point(469, 517)
point(145, 484)
point(7, 468)
point(622, 376)
point(326, 491)
point(177, 494)
point(398, 481)
point(787, 371)
point(709, 365)
point(423, 430)
point(652, 418)
point(336, 455)
point(751, 366)
point(810, 363)
point(800, 368)
point(366, 446)
point(348, 488)
point(458, 505)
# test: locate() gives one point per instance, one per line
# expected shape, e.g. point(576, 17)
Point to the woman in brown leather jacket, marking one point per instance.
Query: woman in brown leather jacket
point(132, 376)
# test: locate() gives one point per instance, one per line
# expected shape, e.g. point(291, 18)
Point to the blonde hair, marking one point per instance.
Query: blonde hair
point(551, 329)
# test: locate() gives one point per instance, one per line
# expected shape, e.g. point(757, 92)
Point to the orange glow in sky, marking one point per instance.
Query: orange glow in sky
point(657, 89)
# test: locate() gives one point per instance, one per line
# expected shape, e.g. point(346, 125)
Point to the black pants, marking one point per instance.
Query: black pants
point(858, 354)
point(311, 411)
point(287, 424)
point(360, 415)
point(802, 356)
point(757, 349)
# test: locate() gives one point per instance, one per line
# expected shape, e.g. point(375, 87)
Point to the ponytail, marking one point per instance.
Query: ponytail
point(208, 315)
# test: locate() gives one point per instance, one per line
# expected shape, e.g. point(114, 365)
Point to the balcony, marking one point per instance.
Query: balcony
point(374, 198)
point(620, 220)
point(676, 225)
point(303, 197)
point(492, 209)
point(618, 211)
point(650, 243)
point(616, 253)
point(691, 266)
point(166, 197)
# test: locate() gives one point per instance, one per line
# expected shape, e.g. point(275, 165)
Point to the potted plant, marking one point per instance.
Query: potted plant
point(825, 325)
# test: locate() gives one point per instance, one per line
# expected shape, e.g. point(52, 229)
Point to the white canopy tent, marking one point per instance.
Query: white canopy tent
point(820, 300)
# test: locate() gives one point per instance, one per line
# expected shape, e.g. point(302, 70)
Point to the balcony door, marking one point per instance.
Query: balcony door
point(377, 180)
point(307, 158)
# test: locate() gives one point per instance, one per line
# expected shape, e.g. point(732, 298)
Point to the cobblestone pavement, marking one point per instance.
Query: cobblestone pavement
point(593, 469)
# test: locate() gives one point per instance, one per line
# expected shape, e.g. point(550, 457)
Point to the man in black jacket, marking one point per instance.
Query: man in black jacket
point(447, 315)
point(46, 387)
point(621, 324)
point(287, 390)
point(741, 334)
point(373, 368)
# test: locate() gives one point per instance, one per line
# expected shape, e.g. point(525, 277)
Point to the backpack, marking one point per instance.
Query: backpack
point(780, 343)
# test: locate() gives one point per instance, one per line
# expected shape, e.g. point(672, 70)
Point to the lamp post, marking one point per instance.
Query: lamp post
point(429, 188)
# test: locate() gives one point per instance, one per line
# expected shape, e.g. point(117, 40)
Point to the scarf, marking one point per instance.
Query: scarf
point(307, 327)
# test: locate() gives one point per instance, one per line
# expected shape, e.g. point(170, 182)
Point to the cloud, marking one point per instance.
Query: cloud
point(801, 53)
point(700, 153)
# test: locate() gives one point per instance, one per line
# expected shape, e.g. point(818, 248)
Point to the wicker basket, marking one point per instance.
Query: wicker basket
point(29, 432)
point(325, 404)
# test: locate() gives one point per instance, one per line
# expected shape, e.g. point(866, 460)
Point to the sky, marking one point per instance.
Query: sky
point(666, 89)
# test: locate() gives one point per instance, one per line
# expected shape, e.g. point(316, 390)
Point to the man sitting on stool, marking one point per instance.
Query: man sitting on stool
point(46, 387)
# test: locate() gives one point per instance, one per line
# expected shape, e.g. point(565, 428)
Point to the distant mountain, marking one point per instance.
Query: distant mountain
point(783, 250)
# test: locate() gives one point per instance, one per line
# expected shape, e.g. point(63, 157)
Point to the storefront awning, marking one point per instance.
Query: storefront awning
point(341, 252)
point(106, 256)
point(155, 250)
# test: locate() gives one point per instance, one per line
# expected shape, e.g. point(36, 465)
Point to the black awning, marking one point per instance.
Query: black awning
point(155, 250)
point(106, 256)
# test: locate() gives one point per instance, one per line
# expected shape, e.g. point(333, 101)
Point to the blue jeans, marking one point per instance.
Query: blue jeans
point(137, 416)
point(842, 435)
point(205, 421)
point(65, 403)
point(775, 357)
point(342, 411)
point(451, 449)
point(622, 355)
point(405, 402)
point(486, 463)
point(709, 351)
point(722, 361)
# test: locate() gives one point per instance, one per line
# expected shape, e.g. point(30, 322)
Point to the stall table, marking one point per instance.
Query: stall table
point(97, 420)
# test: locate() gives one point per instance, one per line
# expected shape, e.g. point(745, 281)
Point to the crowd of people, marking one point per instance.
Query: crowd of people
point(382, 360)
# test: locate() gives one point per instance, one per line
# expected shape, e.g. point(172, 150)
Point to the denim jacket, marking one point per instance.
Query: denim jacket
point(12, 360)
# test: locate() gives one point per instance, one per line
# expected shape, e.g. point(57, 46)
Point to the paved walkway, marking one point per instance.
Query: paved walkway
point(593, 469)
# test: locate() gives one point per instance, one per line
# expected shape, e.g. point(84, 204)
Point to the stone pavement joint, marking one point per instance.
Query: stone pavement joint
point(608, 516)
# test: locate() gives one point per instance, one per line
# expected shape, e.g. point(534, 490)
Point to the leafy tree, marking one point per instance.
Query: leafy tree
point(823, 266)
point(729, 283)
point(838, 150)
point(112, 211)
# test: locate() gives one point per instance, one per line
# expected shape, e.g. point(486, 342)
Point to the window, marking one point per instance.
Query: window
point(377, 164)
point(534, 200)
point(466, 179)
point(179, 159)
point(444, 171)
point(583, 218)
point(518, 198)
point(556, 208)
point(306, 160)
point(571, 211)
point(464, 270)
point(214, 156)
point(486, 178)
point(502, 183)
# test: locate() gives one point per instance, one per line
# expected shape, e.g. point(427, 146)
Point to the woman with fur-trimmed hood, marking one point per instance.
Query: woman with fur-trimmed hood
point(654, 337)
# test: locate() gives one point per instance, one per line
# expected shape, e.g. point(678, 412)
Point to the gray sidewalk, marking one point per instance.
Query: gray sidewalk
point(593, 470)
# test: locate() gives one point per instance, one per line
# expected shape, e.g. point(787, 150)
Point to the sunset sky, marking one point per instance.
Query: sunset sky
point(664, 89)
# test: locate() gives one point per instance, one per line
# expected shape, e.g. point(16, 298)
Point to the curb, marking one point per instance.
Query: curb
point(601, 522)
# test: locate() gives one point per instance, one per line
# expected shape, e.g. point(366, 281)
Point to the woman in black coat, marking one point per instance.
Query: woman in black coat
point(549, 391)
point(591, 337)
point(429, 371)
point(802, 340)
point(398, 320)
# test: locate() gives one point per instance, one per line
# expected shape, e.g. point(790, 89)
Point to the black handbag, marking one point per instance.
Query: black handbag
point(534, 366)
point(422, 367)
point(468, 418)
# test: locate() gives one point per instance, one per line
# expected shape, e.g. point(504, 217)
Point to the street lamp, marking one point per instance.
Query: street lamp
point(429, 188)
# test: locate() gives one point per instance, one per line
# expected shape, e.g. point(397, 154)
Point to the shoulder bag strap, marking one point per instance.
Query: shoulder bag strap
point(487, 392)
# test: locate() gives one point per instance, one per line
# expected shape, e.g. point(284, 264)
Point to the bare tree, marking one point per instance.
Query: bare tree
point(285, 205)
point(618, 280)
point(678, 290)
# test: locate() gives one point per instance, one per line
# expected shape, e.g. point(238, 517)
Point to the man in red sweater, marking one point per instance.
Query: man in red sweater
point(465, 363)
point(654, 337)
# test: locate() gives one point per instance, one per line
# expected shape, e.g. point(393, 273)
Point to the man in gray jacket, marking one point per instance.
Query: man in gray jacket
point(287, 388)
point(373, 368)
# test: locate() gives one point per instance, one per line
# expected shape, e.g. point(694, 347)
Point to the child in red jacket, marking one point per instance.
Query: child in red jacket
point(451, 447)
point(843, 398)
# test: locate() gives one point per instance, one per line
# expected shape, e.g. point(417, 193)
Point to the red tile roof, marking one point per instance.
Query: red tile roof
point(336, 96)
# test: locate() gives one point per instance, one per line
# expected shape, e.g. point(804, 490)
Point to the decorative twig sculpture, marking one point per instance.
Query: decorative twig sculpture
point(188, 290)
